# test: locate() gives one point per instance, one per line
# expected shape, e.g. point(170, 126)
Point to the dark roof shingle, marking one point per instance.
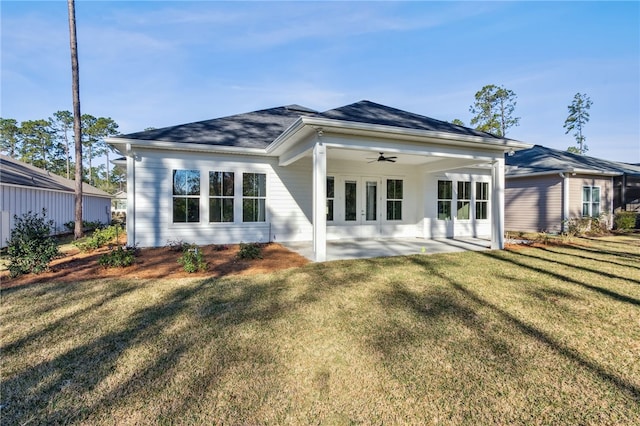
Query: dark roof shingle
point(250, 130)
point(14, 172)
point(540, 159)
point(373, 113)
point(260, 128)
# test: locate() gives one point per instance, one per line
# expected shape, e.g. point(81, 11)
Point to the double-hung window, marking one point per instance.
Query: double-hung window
point(464, 200)
point(482, 199)
point(445, 195)
point(331, 187)
point(186, 196)
point(221, 191)
point(254, 195)
point(394, 199)
point(590, 201)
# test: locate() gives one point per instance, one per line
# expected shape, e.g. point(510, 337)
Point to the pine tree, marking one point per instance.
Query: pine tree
point(578, 117)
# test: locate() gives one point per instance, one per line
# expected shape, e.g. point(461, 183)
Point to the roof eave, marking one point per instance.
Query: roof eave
point(564, 171)
point(121, 143)
point(403, 133)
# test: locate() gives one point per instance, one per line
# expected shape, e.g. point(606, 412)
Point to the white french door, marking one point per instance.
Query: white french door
point(362, 205)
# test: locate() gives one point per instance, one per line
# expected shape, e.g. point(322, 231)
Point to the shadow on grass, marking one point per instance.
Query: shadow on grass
point(546, 339)
point(574, 250)
point(610, 252)
point(531, 254)
point(502, 256)
point(62, 389)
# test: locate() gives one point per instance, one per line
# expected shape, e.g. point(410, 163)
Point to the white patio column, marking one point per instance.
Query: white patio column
point(497, 204)
point(319, 201)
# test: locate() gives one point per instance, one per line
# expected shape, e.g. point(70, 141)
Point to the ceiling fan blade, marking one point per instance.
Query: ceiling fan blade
point(391, 160)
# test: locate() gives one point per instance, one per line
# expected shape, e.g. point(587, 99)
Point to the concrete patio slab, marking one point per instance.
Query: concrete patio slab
point(383, 247)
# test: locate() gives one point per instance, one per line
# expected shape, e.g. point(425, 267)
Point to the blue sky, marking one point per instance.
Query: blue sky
point(160, 63)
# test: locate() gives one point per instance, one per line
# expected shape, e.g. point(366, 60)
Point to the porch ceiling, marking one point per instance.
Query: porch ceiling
point(369, 157)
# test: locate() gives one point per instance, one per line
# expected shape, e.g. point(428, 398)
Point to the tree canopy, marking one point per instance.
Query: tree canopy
point(48, 144)
point(494, 109)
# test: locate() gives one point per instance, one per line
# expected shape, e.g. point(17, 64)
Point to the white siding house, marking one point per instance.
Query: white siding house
point(293, 174)
point(25, 188)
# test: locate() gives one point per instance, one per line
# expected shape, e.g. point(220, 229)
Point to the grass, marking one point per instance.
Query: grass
point(545, 335)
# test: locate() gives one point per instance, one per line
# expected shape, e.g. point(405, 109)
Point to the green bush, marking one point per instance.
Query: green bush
point(625, 221)
point(582, 226)
point(250, 251)
point(31, 246)
point(86, 225)
point(192, 259)
point(99, 238)
point(118, 258)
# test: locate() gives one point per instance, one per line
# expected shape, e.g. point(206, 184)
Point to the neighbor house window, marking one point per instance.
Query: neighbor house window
point(350, 212)
point(221, 196)
point(445, 192)
point(464, 200)
point(394, 199)
point(186, 196)
point(482, 199)
point(591, 201)
point(254, 193)
point(330, 196)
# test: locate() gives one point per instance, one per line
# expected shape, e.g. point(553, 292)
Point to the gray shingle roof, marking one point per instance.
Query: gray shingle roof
point(373, 113)
point(14, 172)
point(251, 130)
point(540, 159)
point(258, 129)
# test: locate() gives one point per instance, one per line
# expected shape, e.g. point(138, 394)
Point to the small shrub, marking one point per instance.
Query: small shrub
point(177, 245)
point(118, 258)
point(192, 259)
point(625, 221)
point(87, 226)
point(31, 246)
point(582, 226)
point(578, 226)
point(250, 251)
point(99, 238)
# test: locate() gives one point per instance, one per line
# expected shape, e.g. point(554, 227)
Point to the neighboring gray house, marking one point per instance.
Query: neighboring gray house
point(544, 187)
point(25, 188)
point(290, 173)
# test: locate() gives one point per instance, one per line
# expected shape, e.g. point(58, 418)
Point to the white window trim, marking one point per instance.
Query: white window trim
point(476, 200)
point(591, 187)
point(204, 196)
point(242, 198)
point(469, 200)
point(386, 198)
point(450, 200)
point(223, 197)
point(172, 196)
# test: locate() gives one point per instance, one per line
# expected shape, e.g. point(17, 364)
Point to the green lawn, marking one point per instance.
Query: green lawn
point(534, 336)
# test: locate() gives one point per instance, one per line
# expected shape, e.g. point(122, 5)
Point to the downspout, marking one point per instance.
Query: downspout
point(565, 201)
point(131, 199)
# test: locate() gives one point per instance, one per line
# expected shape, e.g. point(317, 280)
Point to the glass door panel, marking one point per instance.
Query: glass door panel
point(371, 207)
point(350, 201)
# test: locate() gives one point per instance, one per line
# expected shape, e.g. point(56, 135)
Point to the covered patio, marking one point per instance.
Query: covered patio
point(384, 247)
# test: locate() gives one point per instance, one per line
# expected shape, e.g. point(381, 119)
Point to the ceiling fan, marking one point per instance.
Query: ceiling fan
point(383, 158)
